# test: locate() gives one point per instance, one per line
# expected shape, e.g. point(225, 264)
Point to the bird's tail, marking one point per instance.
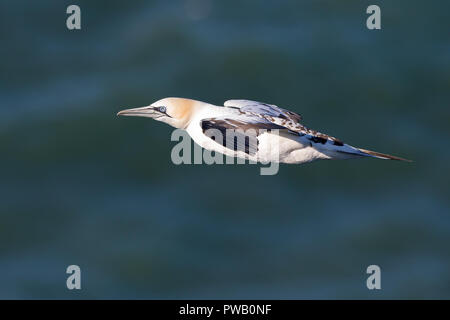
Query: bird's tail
point(381, 155)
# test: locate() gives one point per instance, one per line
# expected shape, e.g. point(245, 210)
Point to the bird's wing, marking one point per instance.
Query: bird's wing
point(263, 109)
point(282, 117)
point(237, 132)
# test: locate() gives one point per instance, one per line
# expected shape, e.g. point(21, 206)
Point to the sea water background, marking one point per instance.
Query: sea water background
point(80, 186)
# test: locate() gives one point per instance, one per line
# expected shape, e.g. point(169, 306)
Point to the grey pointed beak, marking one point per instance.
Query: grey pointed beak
point(148, 111)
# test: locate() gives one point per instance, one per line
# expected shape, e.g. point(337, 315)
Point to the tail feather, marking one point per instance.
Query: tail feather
point(382, 155)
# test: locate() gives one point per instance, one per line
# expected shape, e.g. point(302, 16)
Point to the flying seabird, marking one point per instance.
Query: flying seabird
point(251, 130)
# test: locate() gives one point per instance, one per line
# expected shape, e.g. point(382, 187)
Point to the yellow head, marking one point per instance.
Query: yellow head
point(176, 112)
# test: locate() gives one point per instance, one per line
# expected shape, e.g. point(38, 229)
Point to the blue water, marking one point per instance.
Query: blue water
point(80, 186)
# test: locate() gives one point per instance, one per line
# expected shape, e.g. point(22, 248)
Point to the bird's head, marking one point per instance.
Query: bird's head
point(176, 112)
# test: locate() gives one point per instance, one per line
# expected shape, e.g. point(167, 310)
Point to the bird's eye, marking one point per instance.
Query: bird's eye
point(162, 109)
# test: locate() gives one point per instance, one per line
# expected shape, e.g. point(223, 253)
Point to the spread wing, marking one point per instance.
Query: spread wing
point(282, 117)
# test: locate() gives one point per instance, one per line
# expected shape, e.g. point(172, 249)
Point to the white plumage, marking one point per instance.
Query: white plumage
point(252, 130)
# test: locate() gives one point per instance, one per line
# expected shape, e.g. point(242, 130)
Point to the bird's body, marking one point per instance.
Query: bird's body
point(252, 130)
point(288, 146)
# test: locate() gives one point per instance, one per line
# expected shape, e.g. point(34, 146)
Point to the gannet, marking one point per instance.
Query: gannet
point(259, 129)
